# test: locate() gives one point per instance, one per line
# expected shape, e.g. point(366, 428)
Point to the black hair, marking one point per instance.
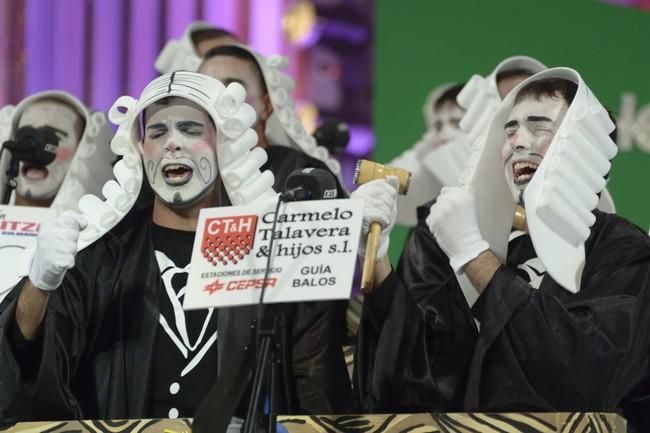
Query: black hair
point(552, 88)
point(239, 53)
point(548, 87)
point(448, 95)
point(517, 72)
point(216, 32)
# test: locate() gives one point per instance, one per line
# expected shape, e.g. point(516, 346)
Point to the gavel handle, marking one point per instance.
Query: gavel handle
point(368, 270)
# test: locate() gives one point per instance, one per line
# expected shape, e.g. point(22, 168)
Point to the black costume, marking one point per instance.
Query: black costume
point(95, 356)
point(537, 350)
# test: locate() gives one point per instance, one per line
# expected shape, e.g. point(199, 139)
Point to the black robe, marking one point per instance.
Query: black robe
point(537, 350)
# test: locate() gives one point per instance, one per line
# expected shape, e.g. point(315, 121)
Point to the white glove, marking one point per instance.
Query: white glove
point(452, 221)
point(56, 247)
point(379, 205)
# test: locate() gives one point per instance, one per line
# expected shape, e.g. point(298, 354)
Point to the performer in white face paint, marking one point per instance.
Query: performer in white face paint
point(42, 183)
point(82, 165)
point(562, 303)
point(444, 165)
point(102, 334)
point(439, 167)
point(529, 130)
point(83, 159)
point(178, 152)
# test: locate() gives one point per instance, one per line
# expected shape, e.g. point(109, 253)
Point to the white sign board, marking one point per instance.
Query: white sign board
point(18, 230)
point(314, 253)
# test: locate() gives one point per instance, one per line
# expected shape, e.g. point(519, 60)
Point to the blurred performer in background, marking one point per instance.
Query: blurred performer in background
point(81, 164)
point(83, 157)
point(102, 334)
point(280, 130)
point(442, 116)
point(549, 317)
point(184, 54)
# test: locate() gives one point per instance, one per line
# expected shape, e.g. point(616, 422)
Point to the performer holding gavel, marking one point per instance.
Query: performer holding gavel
point(376, 243)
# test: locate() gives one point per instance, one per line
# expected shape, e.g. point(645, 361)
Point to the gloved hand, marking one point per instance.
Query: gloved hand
point(56, 247)
point(379, 204)
point(452, 221)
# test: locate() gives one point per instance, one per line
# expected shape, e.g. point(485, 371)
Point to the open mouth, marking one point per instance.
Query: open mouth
point(177, 174)
point(523, 171)
point(34, 173)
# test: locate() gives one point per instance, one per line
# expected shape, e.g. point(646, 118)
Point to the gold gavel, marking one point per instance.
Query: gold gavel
point(364, 172)
point(519, 219)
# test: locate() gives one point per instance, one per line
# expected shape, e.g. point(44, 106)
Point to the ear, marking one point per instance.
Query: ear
point(140, 147)
point(267, 108)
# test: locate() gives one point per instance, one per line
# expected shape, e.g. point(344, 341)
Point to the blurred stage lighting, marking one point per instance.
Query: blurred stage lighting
point(299, 23)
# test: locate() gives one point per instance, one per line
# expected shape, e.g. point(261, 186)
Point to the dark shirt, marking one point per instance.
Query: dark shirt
point(185, 352)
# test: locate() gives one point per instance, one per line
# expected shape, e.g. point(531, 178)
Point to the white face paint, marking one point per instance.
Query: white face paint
point(447, 123)
point(179, 151)
point(529, 131)
point(44, 182)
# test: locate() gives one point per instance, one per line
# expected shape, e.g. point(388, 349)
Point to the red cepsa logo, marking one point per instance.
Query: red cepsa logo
point(253, 283)
point(228, 239)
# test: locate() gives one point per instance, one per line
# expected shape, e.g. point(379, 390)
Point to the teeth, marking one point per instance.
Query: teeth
point(524, 164)
point(519, 166)
point(176, 167)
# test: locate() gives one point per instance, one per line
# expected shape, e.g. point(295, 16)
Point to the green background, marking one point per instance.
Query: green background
point(420, 44)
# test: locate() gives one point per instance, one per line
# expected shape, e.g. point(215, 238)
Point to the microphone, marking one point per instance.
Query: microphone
point(36, 146)
point(309, 184)
point(332, 134)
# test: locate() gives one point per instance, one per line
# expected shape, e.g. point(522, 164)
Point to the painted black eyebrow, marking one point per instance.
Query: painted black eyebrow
point(157, 126)
point(57, 130)
point(188, 124)
point(538, 119)
point(510, 124)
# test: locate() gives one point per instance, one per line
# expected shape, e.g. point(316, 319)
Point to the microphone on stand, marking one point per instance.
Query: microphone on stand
point(36, 146)
point(309, 184)
point(33, 146)
point(332, 134)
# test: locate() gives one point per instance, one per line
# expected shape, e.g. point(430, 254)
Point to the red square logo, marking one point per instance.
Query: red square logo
point(228, 239)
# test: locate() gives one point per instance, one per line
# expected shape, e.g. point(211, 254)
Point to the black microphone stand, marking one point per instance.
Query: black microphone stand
point(265, 378)
point(12, 174)
point(268, 355)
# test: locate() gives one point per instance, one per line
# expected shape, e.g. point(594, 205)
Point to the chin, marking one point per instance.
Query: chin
point(176, 200)
point(37, 192)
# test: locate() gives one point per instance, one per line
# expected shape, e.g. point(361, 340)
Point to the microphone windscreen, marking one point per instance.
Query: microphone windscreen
point(36, 146)
point(320, 183)
point(333, 135)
